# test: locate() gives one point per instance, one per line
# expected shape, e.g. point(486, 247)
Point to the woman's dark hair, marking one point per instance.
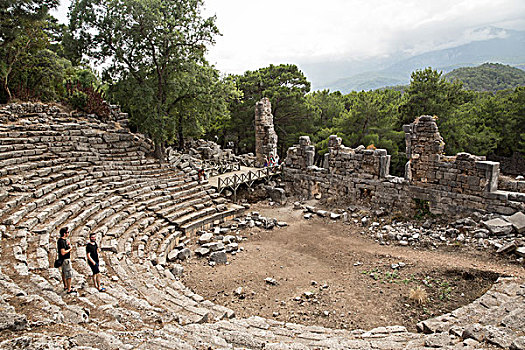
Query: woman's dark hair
point(63, 231)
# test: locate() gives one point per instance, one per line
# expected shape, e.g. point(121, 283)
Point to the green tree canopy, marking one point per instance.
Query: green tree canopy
point(430, 93)
point(488, 77)
point(146, 43)
point(24, 31)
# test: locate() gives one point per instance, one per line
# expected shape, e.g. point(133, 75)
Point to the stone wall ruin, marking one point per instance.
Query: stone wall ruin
point(265, 136)
point(451, 185)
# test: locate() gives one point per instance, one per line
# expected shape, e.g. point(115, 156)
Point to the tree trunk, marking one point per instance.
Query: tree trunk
point(180, 133)
point(6, 87)
point(160, 151)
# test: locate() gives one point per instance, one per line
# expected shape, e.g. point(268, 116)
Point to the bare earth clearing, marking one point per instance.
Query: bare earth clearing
point(347, 277)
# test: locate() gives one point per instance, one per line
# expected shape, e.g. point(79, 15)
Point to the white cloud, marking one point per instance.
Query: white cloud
point(277, 31)
point(257, 33)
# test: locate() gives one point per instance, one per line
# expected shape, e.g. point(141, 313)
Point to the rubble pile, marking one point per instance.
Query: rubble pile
point(221, 239)
point(503, 234)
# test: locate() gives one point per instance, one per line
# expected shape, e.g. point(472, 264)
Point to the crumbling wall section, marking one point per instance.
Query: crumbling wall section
point(362, 162)
point(428, 167)
point(301, 156)
point(446, 185)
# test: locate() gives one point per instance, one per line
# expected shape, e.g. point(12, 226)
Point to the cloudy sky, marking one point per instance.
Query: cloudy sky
point(257, 33)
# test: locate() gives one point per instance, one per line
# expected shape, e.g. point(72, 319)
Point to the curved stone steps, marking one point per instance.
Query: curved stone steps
point(73, 310)
point(55, 186)
point(36, 296)
point(75, 215)
point(14, 252)
point(167, 245)
point(181, 206)
point(11, 161)
point(35, 309)
point(225, 212)
point(36, 211)
point(129, 241)
point(144, 280)
point(187, 305)
point(176, 195)
point(141, 247)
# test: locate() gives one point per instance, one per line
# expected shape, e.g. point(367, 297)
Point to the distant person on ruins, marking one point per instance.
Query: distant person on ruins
point(265, 164)
point(64, 253)
point(276, 160)
point(201, 174)
point(272, 160)
point(92, 260)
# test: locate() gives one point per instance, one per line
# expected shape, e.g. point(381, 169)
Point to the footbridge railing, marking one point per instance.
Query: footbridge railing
point(234, 181)
point(218, 168)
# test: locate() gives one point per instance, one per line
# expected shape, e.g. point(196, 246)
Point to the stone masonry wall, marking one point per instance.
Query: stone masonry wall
point(429, 167)
point(265, 136)
point(449, 185)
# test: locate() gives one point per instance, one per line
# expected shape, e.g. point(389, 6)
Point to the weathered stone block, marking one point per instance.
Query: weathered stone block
point(518, 221)
point(498, 226)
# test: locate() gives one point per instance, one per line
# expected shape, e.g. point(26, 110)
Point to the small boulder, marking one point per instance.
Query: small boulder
point(232, 247)
point(202, 251)
point(219, 257)
point(271, 281)
point(276, 194)
point(507, 248)
point(184, 254)
point(518, 221)
point(172, 256)
point(177, 270)
point(206, 238)
point(498, 226)
point(474, 331)
point(335, 216)
point(322, 213)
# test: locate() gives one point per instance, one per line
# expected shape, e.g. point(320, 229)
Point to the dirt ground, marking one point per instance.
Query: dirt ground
point(329, 274)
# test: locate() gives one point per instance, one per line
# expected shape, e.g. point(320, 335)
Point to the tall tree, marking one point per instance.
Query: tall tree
point(196, 98)
point(145, 42)
point(430, 93)
point(23, 25)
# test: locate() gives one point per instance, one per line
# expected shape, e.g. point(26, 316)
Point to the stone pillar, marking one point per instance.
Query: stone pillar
point(265, 136)
point(424, 149)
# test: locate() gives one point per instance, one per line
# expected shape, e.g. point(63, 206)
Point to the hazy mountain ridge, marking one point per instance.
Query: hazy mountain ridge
point(488, 77)
point(396, 70)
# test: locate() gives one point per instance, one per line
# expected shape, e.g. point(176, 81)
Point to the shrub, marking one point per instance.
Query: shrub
point(78, 100)
point(419, 295)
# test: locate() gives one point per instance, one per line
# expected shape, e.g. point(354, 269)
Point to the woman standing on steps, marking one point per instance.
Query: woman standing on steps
point(64, 253)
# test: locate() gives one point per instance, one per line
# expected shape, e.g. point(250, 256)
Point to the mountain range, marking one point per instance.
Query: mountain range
point(507, 48)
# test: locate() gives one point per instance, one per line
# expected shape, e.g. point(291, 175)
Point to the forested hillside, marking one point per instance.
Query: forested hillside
point(488, 77)
point(505, 46)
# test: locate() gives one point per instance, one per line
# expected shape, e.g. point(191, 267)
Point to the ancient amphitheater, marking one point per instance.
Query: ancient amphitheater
point(59, 169)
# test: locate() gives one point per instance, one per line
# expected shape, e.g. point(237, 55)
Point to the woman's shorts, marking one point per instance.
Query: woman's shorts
point(67, 269)
point(94, 269)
